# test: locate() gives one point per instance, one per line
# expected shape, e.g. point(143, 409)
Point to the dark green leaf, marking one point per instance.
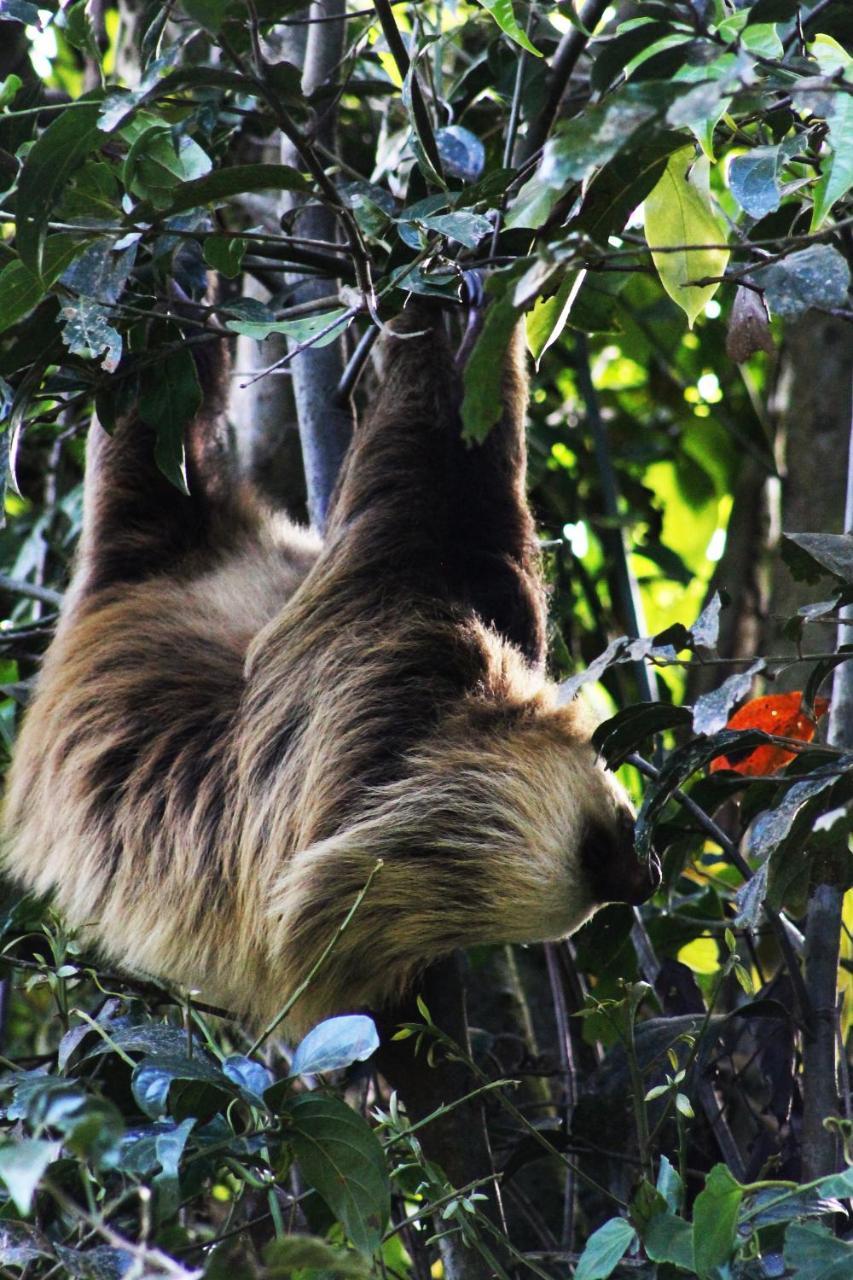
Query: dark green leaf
point(224, 254)
point(49, 165)
point(101, 1263)
point(625, 732)
point(340, 1156)
point(154, 1077)
point(483, 375)
point(21, 289)
point(669, 1239)
point(170, 397)
point(209, 14)
point(819, 554)
point(679, 767)
point(462, 153)
point(772, 826)
point(20, 11)
point(812, 1252)
point(214, 188)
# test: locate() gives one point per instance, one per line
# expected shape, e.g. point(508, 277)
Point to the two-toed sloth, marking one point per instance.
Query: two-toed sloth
point(235, 719)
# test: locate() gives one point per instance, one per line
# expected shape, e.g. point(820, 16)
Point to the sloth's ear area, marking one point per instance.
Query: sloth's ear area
point(609, 858)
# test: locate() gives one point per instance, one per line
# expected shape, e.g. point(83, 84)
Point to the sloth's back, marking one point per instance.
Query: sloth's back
point(123, 772)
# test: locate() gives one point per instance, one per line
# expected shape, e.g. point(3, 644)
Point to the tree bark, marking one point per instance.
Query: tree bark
point(326, 422)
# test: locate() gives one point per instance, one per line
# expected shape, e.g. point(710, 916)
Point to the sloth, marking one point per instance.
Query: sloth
point(237, 721)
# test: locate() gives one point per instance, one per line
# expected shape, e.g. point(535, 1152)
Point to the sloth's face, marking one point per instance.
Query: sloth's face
point(608, 854)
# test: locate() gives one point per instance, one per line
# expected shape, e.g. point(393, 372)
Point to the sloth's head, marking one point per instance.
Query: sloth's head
point(579, 823)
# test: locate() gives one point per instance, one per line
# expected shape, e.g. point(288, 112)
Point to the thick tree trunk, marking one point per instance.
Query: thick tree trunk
point(813, 401)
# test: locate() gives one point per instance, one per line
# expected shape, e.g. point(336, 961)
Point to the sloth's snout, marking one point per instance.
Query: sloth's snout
point(610, 859)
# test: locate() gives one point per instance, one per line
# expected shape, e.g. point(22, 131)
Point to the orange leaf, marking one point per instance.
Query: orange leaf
point(781, 714)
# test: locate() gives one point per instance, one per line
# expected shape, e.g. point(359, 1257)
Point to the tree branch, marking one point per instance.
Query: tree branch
point(566, 58)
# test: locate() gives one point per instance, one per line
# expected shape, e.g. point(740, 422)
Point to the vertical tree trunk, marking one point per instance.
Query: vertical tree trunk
point(814, 405)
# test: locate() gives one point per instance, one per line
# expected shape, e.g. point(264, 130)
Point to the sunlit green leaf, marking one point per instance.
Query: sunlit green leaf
point(685, 233)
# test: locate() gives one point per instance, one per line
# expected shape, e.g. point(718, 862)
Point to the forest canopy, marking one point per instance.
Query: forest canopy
point(661, 193)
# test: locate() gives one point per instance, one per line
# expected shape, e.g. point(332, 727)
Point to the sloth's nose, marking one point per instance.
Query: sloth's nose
point(616, 872)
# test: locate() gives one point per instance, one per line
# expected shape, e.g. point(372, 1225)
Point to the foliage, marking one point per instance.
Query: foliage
point(653, 221)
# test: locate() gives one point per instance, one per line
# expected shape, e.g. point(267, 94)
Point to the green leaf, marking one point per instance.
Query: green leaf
point(8, 89)
point(158, 163)
point(483, 375)
point(80, 32)
point(715, 1221)
point(669, 1184)
point(170, 397)
point(678, 216)
point(504, 15)
point(605, 1249)
point(88, 331)
point(340, 1156)
point(669, 1239)
point(217, 187)
point(580, 145)
point(466, 228)
point(224, 254)
point(300, 330)
point(21, 289)
point(49, 166)
point(837, 166)
point(22, 1165)
point(813, 1253)
point(335, 1043)
point(814, 277)
point(547, 320)
point(154, 1078)
point(753, 181)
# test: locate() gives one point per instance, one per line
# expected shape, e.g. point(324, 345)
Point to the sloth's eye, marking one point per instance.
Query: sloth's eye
point(610, 860)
